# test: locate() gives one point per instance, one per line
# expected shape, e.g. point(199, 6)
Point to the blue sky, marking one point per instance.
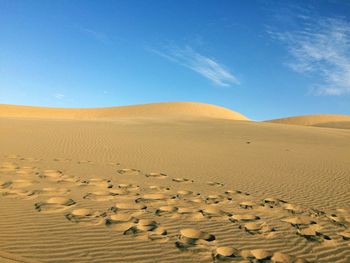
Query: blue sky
point(265, 59)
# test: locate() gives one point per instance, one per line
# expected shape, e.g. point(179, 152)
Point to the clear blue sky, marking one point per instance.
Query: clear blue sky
point(265, 59)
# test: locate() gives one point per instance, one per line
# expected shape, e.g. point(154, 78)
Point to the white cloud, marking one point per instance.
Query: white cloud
point(321, 48)
point(59, 96)
point(205, 66)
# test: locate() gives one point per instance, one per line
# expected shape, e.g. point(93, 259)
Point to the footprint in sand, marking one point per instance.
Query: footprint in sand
point(315, 212)
point(215, 199)
point(85, 216)
point(217, 184)
point(340, 220)
point(299, 221)
point(234, 193)
point(293, 209)
point(187, 195)
point(190, 238)
point(156, 175)
point(129, 187)
point(182, 180)
point(253, 255)
point(272, 202)
point(211, 211)
point(157, 197)
point(156, 188)
point(54, 204)
point(19, 193)
point(99, 182)
point(121, 221)
point(120, 218)
point(257, 255)
point(167, 210)
point(68, 179)
point(285, 258)
point(128, 171)
point(262, 255)
point(226, 254)
point(189, 213)
point(243, 218)
point(106, 195)
point(180, 213)
point(184, 193)
point(247, 204)
point(195, 200)
point(313, 233)
point(129, 224)
point(128, 206)
point(255, 228)
point(146, 228)
point(51, 174)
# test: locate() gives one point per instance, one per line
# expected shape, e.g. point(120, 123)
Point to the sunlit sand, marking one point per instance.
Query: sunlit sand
point(172, 182)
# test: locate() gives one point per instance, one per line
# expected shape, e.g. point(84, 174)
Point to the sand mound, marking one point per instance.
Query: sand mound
point(321, 120)
point(154, 110)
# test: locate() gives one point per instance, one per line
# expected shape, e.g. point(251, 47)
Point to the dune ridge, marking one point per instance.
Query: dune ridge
point(153, 110)
point(319, 120)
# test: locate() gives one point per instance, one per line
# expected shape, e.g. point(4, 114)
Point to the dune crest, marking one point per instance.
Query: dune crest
point(154, 110)
point(319, 120)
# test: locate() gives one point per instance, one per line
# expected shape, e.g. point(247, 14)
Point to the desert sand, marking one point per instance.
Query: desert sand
point(320, 120)
point(171, 182)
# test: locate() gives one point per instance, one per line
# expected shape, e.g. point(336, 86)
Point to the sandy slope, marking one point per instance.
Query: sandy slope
point(154, 110)
point(321, 120)
point(242, 182)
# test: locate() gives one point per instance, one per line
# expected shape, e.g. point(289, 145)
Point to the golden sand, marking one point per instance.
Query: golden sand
point(171, 182)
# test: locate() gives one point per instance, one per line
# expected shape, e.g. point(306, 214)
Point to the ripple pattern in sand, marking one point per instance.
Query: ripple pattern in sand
point(102, 217)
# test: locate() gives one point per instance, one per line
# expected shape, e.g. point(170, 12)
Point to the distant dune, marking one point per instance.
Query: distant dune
point(155, 110)
point(320, 120)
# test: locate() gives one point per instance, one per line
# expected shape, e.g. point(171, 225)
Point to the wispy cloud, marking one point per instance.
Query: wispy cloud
point(99, 36)
point(321, 48)
point(205, 66)
point(59, 96)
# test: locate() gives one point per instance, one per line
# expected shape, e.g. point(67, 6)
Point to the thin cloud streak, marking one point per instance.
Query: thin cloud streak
point(205, 66)
point(99, 36)
point(321, 48)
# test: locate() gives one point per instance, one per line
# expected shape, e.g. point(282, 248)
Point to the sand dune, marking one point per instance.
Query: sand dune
point(187, 188)
point(156, 110)
point(321, 120)
point(336, 124)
